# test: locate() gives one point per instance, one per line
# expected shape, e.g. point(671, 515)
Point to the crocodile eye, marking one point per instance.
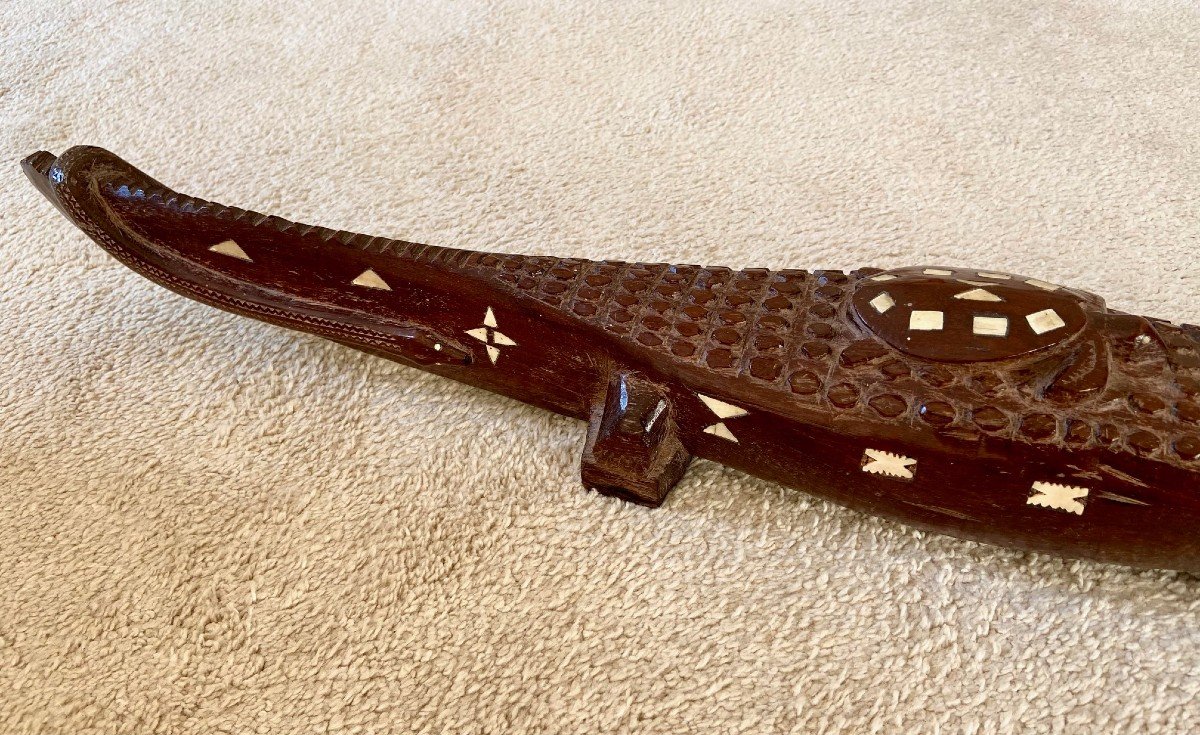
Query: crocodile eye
point(957, 315)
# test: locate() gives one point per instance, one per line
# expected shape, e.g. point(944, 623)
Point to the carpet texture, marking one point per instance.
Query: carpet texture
point(209, 525)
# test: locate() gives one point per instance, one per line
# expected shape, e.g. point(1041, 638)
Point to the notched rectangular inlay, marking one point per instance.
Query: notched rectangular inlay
point(879, 462)
point(1067, 498)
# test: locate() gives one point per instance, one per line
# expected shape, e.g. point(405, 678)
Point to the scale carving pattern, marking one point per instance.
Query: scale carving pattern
point(796, 333)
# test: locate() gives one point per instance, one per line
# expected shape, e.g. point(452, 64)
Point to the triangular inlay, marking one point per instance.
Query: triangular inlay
point(722, 431)
point(371, 279)
point(977, 294)
point(232, 249)
point(721, 408)
point(489, 319)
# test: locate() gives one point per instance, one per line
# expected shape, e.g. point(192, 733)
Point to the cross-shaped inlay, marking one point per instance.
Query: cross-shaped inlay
point(1067, 498)
point(722, 410)
point(491, 336)
point(879, 462)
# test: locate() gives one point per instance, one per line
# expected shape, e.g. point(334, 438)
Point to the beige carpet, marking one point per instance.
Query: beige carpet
point(209, 525)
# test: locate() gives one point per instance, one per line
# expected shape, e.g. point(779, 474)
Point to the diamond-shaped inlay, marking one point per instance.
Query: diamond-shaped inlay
point(1046, 320)
point(883, 302)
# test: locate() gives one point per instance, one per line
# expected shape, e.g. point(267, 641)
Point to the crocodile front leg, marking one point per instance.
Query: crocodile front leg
point(633, 449)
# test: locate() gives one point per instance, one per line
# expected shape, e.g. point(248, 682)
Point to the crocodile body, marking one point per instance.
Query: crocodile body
point(986, 405)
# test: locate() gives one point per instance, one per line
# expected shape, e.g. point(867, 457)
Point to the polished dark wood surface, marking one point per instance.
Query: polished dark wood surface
point(980, 404)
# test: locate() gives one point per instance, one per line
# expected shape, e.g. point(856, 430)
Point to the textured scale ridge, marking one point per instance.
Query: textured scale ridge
point(400, 249)
point(792, 332)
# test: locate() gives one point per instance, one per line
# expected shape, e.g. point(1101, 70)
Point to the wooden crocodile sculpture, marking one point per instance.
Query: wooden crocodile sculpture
point(984, 405)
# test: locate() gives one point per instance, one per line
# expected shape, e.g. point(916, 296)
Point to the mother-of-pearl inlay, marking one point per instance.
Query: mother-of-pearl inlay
point(977, 294)
point(1068, 498)
point(990, 326)
point(926, 321)
point(722, 410)
point(232, 249)
point(883, 302)
point(879, 462)
point(1041, 284)
point(491, 336)
point(371, 279)
point(1046, 320)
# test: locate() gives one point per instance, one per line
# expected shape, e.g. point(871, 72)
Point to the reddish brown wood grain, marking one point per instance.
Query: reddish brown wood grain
point(980, 404)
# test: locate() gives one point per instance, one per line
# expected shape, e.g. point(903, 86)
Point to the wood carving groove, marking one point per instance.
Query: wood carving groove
point(981, 404)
